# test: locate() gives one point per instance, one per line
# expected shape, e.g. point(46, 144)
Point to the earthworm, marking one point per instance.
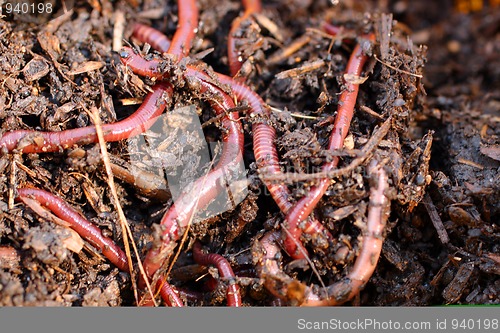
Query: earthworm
point(82, 226)
point(190, 295)
point(288, 289)
point(170, 295)
point(264, 137)
point(264, 134)
point(331, 29)
point(206, 188)
point(186, 28)
point(234, 58)
point(156, 39)
point(141, 66)
point(373, 237)
point(31, 141)
point(303, 208)
point(225, 271)
point(266, 155)
point(90, 233)
point(162, 43)
point(180, 44)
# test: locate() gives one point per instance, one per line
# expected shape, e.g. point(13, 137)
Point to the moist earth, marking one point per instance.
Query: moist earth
point(434, 69)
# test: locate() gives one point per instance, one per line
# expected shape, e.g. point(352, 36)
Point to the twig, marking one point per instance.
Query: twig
point(241, 108)
point(470, 163)
point(296, 115)
point(305, 68)
point(397, 69)
point(12, 180)
point(123, 221)
point(118, 29)
point(370, 112)
point(308, 259)
point(365, 153)
point(270, 26)
point(436, 220)
point(184, 235)
point(289, 50)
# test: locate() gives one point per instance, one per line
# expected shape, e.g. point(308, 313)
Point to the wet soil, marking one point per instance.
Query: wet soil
point(434, 70)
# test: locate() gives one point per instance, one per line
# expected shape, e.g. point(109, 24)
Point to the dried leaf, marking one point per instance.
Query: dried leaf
point(354, 79)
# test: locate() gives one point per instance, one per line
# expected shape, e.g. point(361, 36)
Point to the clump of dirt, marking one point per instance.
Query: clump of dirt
point(433, 72)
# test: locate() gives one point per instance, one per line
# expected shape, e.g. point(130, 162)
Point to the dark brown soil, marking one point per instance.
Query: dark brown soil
point(437, 76)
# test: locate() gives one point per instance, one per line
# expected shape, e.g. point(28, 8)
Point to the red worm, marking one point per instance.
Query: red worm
point(186, 30)
point(30, 141)
point(90, 233)
point(234, 58)
point(170, 295)
point(225, 271)
point(156, 39)
point(278, 283)
point(303, 208)
point(177, 218)
point(190, 295)
point(82, 226)
point(141, 66)
point(264, 135)
point(331, 29)
point(266, 155)
point(373, 237)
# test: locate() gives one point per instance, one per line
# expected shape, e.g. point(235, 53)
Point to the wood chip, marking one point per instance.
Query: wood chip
point(455, 288)
point(342, 213)
point(265, 22)
point(370, 112)
point(88, 66)
point(385, 35)
point(491, 151)
point(131, 101)
point(35, 69)
point(436, 219)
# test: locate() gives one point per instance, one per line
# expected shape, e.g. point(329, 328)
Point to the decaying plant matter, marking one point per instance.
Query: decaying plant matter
point(319, 116)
